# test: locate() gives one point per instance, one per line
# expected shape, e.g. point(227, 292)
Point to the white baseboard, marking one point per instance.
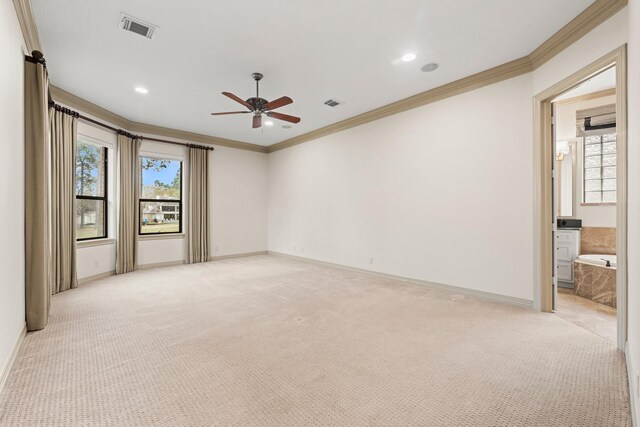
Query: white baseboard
point(83, 280)
point(88, 279)
point(481, 294)
point(221, 257)
point(106, 274)
point(161, 264)
point(633, 392)
point(4, 374)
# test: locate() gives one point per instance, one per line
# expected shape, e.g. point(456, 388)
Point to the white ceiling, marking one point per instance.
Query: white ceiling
point(308, 50)
point(602, 81)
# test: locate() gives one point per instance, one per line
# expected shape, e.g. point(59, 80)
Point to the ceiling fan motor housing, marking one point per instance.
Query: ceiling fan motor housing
point(258, 104)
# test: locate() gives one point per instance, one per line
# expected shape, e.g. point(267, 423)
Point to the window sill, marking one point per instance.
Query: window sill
point(160, 236)
point(96, 242)
point(598, 204)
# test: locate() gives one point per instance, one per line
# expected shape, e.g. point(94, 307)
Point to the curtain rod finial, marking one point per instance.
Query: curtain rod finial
point(38, 56)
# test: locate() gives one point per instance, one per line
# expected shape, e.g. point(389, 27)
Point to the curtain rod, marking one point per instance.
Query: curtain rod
point(121, 131)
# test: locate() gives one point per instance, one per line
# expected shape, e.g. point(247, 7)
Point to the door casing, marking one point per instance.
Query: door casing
point(543, 192)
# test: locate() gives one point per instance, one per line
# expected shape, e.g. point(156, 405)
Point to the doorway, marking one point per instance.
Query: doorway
point(550, 264)
point(584, 200)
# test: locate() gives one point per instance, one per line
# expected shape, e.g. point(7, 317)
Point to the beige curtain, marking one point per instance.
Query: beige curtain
point(36, 206)
point(129, 188)
point(198, 205)
point(63, 129)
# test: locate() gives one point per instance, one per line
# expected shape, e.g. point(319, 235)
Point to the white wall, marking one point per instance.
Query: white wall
point(12, 316)
point(440, 193)
point(239, 186)
point(238, 182)
point(238, 194)
point(95, 260)
point(591, 216)
point(633, 245)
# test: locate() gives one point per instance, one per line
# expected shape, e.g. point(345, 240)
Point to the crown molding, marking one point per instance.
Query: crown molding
point(466, 84)
point(194, 137)
point(587, 97)
point(597, 13)
point(27, 25)
point(594, 15)
point(73, 101)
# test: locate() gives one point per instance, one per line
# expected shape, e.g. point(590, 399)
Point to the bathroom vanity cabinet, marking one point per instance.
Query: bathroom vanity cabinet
point(567, 250)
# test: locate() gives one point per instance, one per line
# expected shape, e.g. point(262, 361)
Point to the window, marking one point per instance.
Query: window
point(599, 183)
point(160, 196)
point(91, 191)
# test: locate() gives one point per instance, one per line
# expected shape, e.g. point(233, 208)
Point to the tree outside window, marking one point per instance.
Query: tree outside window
point(91, 191)
point(160, 196)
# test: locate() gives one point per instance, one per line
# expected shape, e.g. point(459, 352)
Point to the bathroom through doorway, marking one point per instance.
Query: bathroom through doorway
point(584, 204)
point(581, 193)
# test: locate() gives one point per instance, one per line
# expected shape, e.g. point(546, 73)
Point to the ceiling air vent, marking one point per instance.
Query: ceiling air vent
point(137, 26)
point(332, 102)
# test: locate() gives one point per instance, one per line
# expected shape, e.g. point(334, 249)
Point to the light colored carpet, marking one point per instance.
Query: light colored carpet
point(273, 341)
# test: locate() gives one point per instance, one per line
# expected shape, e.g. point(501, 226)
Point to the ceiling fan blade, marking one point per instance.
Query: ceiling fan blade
point(280, 102)
point(238, 100)
point(285, 117)
point(230, 112)
point(257, 121)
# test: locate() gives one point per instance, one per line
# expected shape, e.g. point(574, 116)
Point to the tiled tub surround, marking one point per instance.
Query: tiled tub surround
point(596, 283)
point(598, 240)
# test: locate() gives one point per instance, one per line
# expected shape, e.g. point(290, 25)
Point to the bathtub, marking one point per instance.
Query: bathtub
point(594, 280)
point(598, 260)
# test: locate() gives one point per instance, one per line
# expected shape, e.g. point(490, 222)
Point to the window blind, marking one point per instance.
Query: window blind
point(596, 121)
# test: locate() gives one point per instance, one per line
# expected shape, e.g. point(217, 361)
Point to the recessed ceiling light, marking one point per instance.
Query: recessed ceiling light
point(286, 126)
point(140, 89)
point(268, 123)
point(409, 57)
point(430, 67)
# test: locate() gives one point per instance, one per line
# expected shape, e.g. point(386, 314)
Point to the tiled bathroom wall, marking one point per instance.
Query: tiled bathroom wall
point(598, 240)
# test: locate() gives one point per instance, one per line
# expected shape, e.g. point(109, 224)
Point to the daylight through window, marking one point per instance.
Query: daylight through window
point(600, 169)
point(160, 196)
point(91, 191)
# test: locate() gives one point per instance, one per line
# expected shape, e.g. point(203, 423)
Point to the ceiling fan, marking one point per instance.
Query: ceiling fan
point(259, 106)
